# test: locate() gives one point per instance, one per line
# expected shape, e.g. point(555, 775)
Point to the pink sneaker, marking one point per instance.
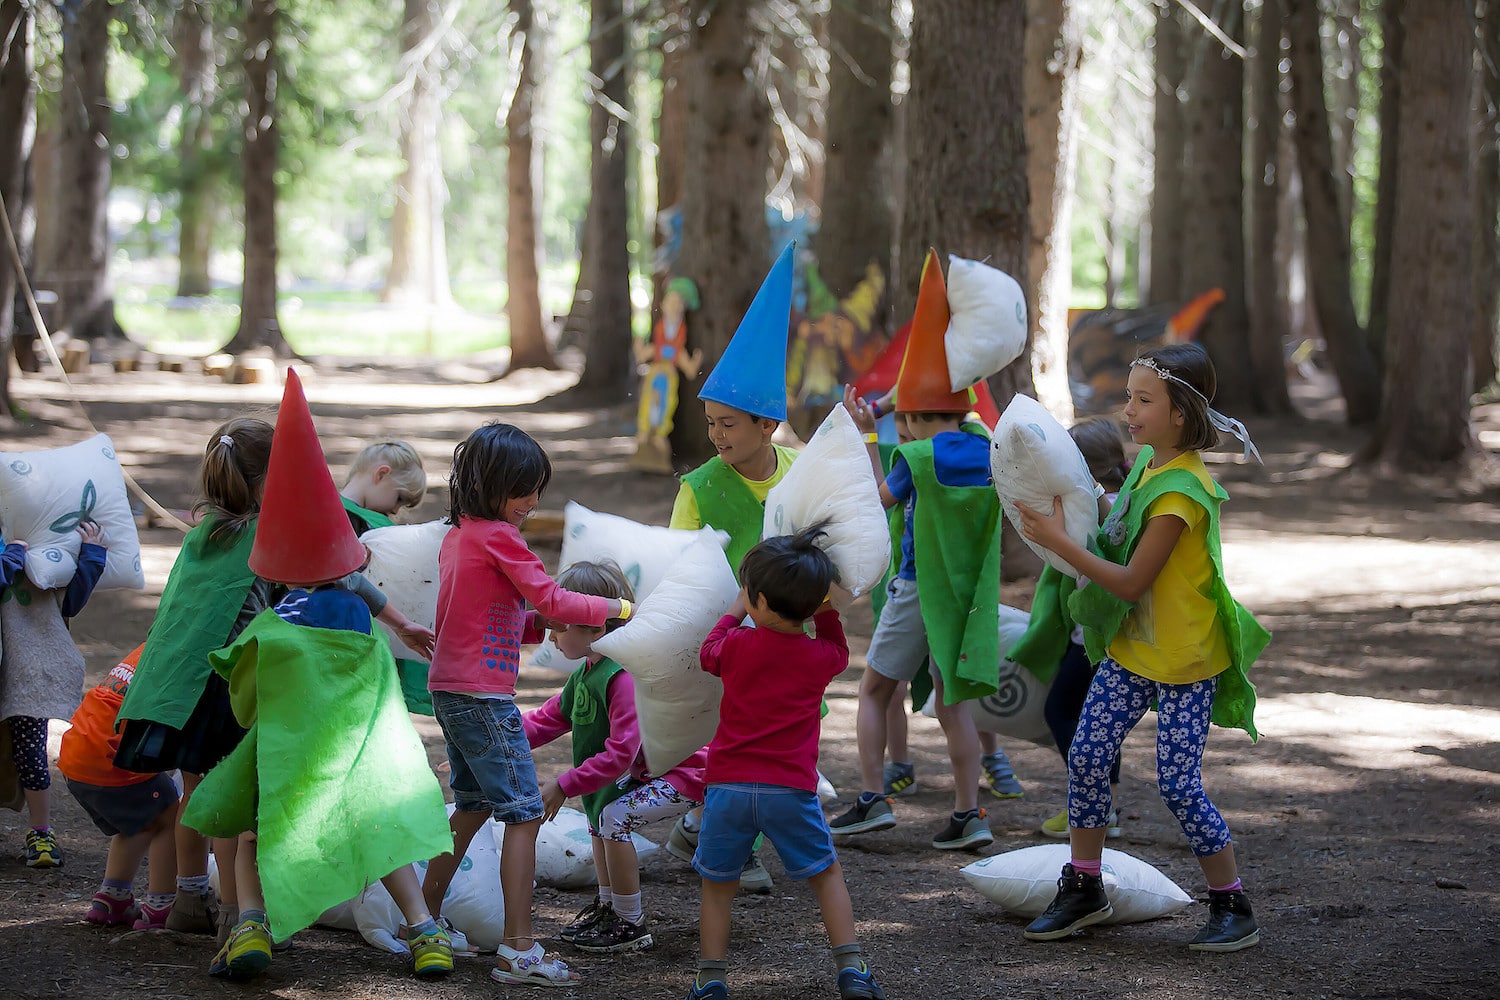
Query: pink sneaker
point(152, 919)
point(106, 911)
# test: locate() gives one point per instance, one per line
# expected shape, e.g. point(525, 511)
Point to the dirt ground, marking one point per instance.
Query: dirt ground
point(1365, 820)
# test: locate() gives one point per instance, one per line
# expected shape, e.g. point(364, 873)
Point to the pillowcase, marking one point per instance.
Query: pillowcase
point(1024, 882)
point(404, 565)
point(1033, 459)
point(987, 323)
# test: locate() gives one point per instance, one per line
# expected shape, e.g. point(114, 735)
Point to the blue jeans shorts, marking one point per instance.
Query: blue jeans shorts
point(791, 818)
point(492, 770)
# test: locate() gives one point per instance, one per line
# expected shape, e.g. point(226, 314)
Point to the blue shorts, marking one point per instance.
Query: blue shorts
point(492, 770)
point(791, 818)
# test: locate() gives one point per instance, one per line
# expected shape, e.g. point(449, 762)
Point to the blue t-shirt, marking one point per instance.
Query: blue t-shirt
point(958, 459)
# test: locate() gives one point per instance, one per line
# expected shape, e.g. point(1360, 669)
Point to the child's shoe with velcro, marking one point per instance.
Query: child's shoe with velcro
point(969, 832)
point(247, 952)
point(42, 850)
point(857, 985)
point(863, 817)
point(900, 778)
point(1080, 901)
point(715, 990)
point(615, 933)
point(107, 911)
point(1001, 776)
point(586, 920)
point(431, 954)
point(1231, 924)
point(196, 913)
point(152, 918)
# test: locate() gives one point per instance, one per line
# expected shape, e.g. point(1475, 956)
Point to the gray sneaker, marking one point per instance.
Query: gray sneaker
point(900, 779)
point(864, 817)
point(970, 833)
point(755, 878)
point(682, 842)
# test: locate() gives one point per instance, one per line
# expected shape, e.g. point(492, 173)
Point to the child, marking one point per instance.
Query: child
point(945, 597)
point(43, 674)
point(383, 478)
point(762, 762)
point(486, 577)
point(597, 705)
point(176, 713)
point(1163, 626)
point(137, 812)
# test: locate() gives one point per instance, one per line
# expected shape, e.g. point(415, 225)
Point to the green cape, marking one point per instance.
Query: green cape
point(1050, 628)
point(363, 519)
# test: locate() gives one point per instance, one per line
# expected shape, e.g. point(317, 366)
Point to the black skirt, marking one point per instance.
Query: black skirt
point(209, 735)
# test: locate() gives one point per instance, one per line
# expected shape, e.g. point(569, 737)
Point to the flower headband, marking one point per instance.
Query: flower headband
point(1228, 425)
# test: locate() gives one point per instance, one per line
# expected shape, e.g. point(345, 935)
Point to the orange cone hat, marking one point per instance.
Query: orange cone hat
point(923, 385)
point(303, 537)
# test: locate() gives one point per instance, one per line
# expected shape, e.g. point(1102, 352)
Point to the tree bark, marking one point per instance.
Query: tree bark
point(259, 325)
point(858, 216)
point(1486, 195)
point(1424, 422)
point(1342, 92)
point(523, 307)
point(608, 363)
point(17, 130)
point(671, 140)
point(1327, 235)
point(1267, 303)
point(418, 274)
point(1054, 54)
point(1391, 45)
point(1162, 271)
point(197, 207)
point(725, 243)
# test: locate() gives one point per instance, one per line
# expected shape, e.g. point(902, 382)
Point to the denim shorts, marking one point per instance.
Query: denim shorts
point(791, 818)
point(492, 770)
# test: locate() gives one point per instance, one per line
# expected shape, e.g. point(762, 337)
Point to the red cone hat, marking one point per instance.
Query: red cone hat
point(303, 537)
point(923, 385)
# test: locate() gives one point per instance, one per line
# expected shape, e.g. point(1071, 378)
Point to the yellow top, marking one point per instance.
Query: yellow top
point(685, 508)
point(1173, 634)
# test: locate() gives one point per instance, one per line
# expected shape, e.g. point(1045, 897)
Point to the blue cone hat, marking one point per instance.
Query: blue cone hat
point(751, 376)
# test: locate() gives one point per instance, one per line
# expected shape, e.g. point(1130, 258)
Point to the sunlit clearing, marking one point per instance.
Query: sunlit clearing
point(1374, 733)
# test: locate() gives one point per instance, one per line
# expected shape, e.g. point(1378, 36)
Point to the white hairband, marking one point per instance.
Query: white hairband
point(1228, 425)
point(226, 440)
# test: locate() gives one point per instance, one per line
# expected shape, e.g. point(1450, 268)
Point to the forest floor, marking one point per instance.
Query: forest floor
point(1365, 820)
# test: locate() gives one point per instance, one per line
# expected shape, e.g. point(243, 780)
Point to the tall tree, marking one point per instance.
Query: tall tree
point(418, 273)
point(17, 128)
point(259, 325)
point(671, 133)
point(857, 211)
point(523, 306)
point(1424, 421)
point(1327, 232)
point(1486, 193)
point(1267, 301)
point(1391, 44)
point(725, 243)
point(1162, 272)
point(197, 207)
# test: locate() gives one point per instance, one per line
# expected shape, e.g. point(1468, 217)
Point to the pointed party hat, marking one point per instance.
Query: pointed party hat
point(303, 537)
point(751, 375)
point(923, 385)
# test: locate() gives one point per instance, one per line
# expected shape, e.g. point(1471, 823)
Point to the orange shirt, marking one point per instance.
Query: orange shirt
point(88, 749)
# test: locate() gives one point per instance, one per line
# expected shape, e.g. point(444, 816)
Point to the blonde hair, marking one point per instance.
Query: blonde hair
point(232, 474)
point(406, 469)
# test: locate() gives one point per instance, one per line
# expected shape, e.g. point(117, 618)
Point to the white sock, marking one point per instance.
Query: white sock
point(606, 895)
point(196, 884)
point(629, 907)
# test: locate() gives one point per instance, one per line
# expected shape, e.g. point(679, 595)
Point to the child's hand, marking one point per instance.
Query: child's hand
point(740, 608)
point(864, 417)
point(417, 637)
point(837, 594)
point(90, 532)
point(1047, 530)
point(552, 799)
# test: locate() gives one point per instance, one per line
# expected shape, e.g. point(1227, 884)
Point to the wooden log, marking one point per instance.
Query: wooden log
point(127, 365)
point(170, 364)
point(76, 355)
point(217, 364)
point(251, 371)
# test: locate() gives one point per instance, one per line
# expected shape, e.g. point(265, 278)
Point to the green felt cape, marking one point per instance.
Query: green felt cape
point(726, 503)
point(896, 519)
point(363, 519)
point(1050, 628)
point(331, 776)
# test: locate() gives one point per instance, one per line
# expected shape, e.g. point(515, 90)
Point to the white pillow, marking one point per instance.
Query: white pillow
point(1025, 881)
point(1033, 459)
point(987, 328)
point(676, 701)
point(404, 565)
point(43, 496)
point(1016, 709)
point(833, 480)
point(565, 851)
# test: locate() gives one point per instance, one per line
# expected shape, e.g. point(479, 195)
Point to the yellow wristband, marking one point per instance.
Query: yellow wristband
point(625, 610)
point(871, 438)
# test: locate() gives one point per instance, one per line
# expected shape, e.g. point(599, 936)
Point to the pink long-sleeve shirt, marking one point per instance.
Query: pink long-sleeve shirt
point(486, 577)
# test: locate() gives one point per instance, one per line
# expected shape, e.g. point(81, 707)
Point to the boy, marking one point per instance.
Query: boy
point(383, 478)
point(945, 594)
point(762, 762)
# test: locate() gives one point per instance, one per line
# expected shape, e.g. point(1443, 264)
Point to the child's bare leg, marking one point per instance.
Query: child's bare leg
point(406, 889)
point(963, 748)
point(895, 726)
point(38, 807)
point(517, 870)
point(624, 867)
point(441, 869)
point(226, 856)
point(1220, 869)
point(1088, 845)
point(247, 875)
point(161, 873)
point(876, 692)
point(988, 742)
point(192, 846)
point(714, 905)
point(124, 857)
point(601, 863)
point(833, 902)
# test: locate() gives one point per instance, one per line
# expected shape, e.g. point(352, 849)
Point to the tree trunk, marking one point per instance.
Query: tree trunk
point(259, 326)
point(725, 244)
point(1486, 195)
point(1346, 36)
point(1054, 54)
point(1391, 44)
point(1213, 228)
point(523, 307)
point(418, 274)
point(1161, 277)
point(17, 129)
point(671, 142)
point(1327, 235)
point(1424, 422)
point(197, 207)
point(857, 212)
point(608, 363)
point(80, 270)
point(1268, 318)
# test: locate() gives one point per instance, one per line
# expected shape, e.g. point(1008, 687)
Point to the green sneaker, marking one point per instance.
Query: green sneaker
point(42, 850)
point(1057, 826)
point(431, 954)
point(246, 954)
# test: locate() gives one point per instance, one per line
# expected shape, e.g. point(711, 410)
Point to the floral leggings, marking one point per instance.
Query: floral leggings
point(1116, 701)
point(655, 800)
point(28, 748)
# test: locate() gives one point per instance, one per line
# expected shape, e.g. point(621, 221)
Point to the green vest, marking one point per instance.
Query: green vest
point(362, 519)
point(204, 594)
point(1050, 628)
point(1101, 613)
point(585, 702)
point(726, 503)
point(897, 521)
point(957, 546)
point(413, 673)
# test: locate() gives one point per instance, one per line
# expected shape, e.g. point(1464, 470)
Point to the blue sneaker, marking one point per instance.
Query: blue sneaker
point(715, 990)
point(856, 985)
point(1001, 776)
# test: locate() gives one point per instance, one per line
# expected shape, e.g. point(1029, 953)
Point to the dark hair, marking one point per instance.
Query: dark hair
point(791, 572)
point(1189, 362)
point(598, 579)
point(496, 463)
point(232, 473)
point(1099, 440)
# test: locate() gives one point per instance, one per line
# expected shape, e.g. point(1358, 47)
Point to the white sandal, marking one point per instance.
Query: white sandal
point(533, 967)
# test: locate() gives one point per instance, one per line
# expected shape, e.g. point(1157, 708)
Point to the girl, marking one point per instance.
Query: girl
point(607, 746)
point(176, 714)
point(1159, 618)
point(486, 577)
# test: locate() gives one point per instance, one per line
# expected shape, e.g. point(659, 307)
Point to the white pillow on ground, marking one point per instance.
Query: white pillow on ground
point(833, 480)
point(565, 851)
point(1024, 882)
point(45, 494)
point(1016, 709)
point(676, 702)
point(404, 565)
point(1033, 459)
point(987, 328)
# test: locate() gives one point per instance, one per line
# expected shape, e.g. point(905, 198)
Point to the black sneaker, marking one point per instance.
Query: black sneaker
point(864, 817)
point(1080, 901)
point(42, 850)
point(586, 919)
point(614, 933)
point(1230, 927)
point(967, 834)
